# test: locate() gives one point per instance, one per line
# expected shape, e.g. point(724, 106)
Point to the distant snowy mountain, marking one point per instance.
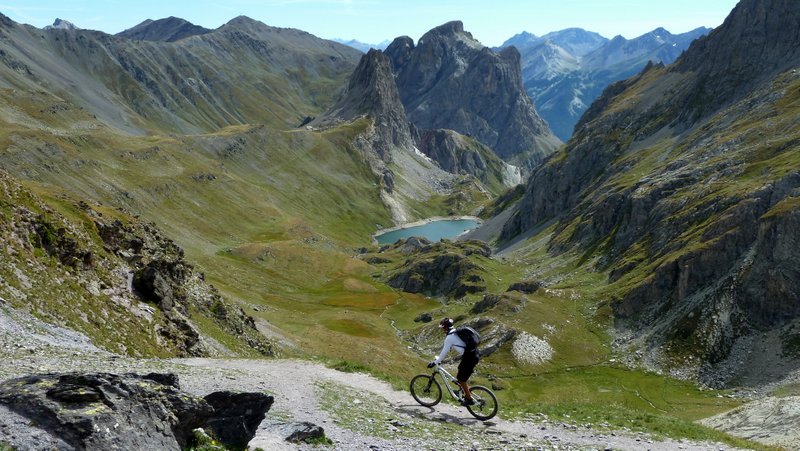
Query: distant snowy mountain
point(565, 71)
point(358, 45)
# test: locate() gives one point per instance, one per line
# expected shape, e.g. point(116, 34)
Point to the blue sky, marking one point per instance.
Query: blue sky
point(373, 21)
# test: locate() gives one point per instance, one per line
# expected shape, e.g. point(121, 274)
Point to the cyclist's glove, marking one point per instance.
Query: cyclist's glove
point(432, 364)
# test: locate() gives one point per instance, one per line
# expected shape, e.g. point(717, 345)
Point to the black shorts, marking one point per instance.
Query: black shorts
point(467, 365)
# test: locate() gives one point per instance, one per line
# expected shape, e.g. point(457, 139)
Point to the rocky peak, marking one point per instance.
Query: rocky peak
point(371, 91)
point(5, 21)
point(399, 51)
point(246, 24)
point(168, 30)
point(521, 40)
point(450, 28)
point(576, 41)
point(450, 81)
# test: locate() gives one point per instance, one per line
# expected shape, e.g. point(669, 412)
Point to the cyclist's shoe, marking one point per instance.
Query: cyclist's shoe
point(468, 402)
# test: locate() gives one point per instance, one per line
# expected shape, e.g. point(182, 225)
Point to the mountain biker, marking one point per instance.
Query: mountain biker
point(469, 358)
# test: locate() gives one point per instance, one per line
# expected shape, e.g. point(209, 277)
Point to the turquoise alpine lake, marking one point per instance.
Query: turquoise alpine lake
point(434, 230)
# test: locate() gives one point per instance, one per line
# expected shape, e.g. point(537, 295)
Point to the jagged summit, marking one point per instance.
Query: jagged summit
point(452, 27)
point(170, 29)
point(450, 81)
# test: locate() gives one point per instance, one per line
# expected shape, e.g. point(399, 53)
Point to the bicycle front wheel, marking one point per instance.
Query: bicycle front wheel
point(485, 406)
point(426, 390)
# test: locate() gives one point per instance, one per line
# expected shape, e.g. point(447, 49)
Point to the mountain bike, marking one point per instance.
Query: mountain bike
point(427, 391)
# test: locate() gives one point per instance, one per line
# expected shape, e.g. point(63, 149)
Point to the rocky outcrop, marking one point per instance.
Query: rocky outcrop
point(110, 411)
point(526, 286)
point(458, 154)
point(67, 271)
point(162, 276)
point(493, 301)
point(450, 81)
point(61, 24)
point(442, 269)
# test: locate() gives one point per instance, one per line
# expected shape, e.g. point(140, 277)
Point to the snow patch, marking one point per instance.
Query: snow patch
point(512, 175)
point(422, 155)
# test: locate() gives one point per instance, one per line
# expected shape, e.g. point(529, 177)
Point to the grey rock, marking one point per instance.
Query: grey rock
point(301, 432)
point(106, 411)
point(424, 318)
point(528, 286)
point(237, 416)
point(485, 304)
point(371, 91)
point(459, 154)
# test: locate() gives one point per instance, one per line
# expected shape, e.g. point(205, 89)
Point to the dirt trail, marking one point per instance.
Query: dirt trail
point(296, 387)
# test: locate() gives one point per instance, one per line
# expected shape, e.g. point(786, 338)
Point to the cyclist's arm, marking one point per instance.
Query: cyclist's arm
point(448, 343)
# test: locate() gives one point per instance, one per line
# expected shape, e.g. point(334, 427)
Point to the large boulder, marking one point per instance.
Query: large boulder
point(104, 411)
point(237, 416)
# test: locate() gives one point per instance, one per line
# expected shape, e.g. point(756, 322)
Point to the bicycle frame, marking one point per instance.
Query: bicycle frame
point(427, 391)
point(438, 369)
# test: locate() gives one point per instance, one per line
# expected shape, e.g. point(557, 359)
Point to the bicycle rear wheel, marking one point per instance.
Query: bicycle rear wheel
point(426, 390)
point(485, 406)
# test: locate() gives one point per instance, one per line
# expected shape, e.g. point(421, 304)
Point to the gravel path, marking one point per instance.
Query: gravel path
point(357, 411)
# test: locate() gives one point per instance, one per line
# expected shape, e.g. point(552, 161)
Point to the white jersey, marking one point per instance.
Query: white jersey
point(452, 340)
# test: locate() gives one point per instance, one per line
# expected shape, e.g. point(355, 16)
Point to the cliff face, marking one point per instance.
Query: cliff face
point(458, 154)
point(450, 81)
point(683, 182)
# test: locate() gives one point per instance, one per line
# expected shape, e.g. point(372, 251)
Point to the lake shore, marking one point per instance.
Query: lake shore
point(422, 222)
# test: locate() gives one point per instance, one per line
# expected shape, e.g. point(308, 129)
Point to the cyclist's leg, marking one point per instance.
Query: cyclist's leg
point(465, 370)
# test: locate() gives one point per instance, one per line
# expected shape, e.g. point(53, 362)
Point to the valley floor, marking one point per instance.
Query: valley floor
point(356, 410)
